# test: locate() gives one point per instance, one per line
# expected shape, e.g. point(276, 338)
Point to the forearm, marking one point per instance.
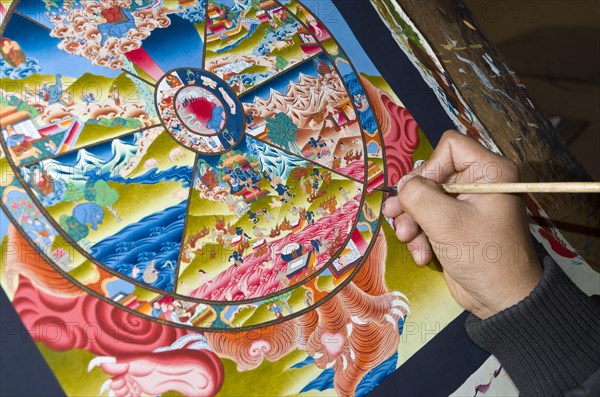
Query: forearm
point(549, 343)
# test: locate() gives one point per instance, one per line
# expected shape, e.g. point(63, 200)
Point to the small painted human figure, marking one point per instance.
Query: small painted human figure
point(316, 145)
point(156, 309)
point(41, 230)
point(316, 245)
point(283, 192)
point(253, 217)
point(310, 218)
point(276, 309)
point(238, 259)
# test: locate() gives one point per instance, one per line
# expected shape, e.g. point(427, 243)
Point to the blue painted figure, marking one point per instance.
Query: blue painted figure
point(316, 245)
point(53, 93)
point(238, 259)
point(276, 309)
point(41, 231)
point(283, 192)
point(250, 119)
point(88, 98)
point(310, 218)
point(119, 21)
point(253, 217)
point(317, 177)
point(227, 136)
point(216, 118)
point(15, 140)
point(267, 176)
point(240, 232)
point(156, 310)
point(316, 145)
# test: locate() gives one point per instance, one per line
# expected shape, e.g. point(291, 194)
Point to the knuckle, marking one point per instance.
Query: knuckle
point(510, 170)
point(405, 228)
point(514, 172)
point(449, 136)
point(412, 191)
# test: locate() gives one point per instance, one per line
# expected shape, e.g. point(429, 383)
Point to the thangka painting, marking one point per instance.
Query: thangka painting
point(192, 191)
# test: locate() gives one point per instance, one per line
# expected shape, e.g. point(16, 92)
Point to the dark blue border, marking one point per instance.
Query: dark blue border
point(399, 72)
point(23, 371)
point(439, 368)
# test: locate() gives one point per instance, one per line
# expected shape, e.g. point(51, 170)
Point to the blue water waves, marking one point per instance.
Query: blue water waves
point(180, 174)
point(147, 250)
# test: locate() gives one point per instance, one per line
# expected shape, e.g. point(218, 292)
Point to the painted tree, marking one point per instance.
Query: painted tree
point(283, 298)
point(106, 197)
point(281, 62)
point(76, 230)
point(89, 192)
point(283, 132)
point(72, 193)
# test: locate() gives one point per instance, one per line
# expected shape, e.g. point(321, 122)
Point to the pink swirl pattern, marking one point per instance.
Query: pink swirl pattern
point(399, 129)
point(401, 140)
point(86, 322)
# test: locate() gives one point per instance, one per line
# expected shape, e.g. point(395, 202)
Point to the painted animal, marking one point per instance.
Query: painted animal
point(150, 273)
point(89, 213)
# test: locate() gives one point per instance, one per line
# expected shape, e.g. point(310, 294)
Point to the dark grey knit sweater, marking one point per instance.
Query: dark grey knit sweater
point(549, 343)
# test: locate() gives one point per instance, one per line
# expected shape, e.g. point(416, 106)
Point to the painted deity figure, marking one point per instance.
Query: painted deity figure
point(119, 21)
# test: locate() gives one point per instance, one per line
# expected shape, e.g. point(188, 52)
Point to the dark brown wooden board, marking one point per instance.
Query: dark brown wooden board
point(517, 126)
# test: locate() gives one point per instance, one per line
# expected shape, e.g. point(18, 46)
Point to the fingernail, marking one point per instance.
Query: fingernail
point(391, 222)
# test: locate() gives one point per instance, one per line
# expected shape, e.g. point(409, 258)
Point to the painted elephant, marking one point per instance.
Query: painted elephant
point(89, 213)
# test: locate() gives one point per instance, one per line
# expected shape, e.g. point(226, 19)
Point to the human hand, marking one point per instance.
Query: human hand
point(481, 240)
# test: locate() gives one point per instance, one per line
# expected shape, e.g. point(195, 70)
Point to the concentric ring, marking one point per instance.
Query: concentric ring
point(199, 110)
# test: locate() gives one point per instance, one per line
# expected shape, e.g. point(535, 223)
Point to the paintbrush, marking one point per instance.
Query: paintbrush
point(522, 187)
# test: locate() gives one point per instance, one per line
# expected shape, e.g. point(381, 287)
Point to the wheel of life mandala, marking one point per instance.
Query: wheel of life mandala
point(199, 163)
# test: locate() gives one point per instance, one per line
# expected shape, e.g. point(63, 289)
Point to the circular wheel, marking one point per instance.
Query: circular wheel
point(210, 164)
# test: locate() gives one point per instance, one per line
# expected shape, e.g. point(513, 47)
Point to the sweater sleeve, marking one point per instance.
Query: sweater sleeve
point(549, 343)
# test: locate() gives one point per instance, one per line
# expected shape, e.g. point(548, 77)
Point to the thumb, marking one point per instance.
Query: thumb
point(429, 206)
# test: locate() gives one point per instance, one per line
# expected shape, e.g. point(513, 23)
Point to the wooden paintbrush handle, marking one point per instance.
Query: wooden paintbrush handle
point(546, 187)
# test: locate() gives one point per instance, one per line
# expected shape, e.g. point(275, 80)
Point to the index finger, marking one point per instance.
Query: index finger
point(458, 157)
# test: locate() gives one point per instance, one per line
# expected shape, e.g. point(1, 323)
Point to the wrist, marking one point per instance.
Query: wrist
point(534, 339)
point(513, 290)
